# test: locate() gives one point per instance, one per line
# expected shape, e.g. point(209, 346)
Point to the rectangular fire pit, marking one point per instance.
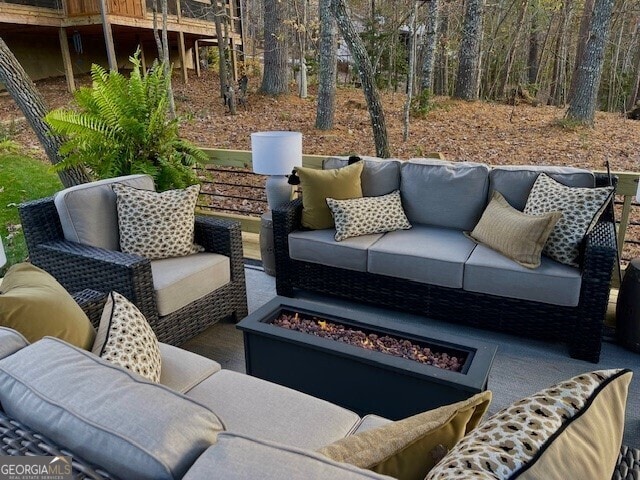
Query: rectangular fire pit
point(356, 378)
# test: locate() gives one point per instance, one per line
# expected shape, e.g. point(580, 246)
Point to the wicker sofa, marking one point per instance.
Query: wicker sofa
point(203, 421)
point(74, 237)
point(131, 428)
point(434, 270)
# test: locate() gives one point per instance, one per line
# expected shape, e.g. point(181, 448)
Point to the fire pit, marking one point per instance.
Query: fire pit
point(361, 379)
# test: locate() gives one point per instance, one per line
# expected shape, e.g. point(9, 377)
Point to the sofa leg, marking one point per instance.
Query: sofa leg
point(588, 352)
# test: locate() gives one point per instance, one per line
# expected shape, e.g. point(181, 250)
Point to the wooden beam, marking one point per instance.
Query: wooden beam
point(28, 15)
point(234, 60)
point(183, 58)
point(108, 37)
point(66, 59)
point(196, 56)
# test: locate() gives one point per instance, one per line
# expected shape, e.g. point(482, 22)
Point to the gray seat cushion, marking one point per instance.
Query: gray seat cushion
point(88, 213)
point(487, 271)
point(183, 370)
point(514, 182)
point(178, 281)
point(236, 457)
point(130, 427)
point(423, 254)
point(379, 175)
point(444, 194)
point(320, 246)
point(371, 421)
point(11, 341)
point(254, 407)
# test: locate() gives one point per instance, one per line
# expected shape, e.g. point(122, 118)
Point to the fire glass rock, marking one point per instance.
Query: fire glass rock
point(386, 344)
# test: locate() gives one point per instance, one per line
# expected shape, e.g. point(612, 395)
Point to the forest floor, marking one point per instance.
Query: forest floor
point(479, 131)
point(489, 132)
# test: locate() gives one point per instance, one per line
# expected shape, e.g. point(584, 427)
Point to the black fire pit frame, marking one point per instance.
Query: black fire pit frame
point(358, 379)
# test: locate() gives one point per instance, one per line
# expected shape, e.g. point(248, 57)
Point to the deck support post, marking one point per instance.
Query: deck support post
point(196, 56)
point(183, 57)
point(66, 59)
point(108, 37)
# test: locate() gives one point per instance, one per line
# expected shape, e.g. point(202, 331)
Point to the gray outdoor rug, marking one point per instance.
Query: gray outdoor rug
point(521, 366)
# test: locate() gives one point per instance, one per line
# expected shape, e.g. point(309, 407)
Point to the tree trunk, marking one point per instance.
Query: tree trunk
point(559, 85)
point(583, 35)
point(276, 49)
point(33, 107)
point(513, 48)
point(533, 65)
point(367, 77)
point(587, 78)
point(469, 53)
point(634, 93)
point(430, 44)
point(328, 66)
point(227, 91)
point(412, 70)
point(441, 84)
point(163, 50)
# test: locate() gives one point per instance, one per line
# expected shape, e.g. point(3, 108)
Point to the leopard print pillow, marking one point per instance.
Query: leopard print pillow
point(510, 440)
point(367, 215)
point(125, 338)
point(156, 224)
point(581, 208)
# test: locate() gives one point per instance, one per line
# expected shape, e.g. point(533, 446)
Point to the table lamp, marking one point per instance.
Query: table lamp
point(3, 257)
point(275, 154)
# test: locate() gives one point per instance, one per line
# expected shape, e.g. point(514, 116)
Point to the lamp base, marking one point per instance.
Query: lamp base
point(278, 190)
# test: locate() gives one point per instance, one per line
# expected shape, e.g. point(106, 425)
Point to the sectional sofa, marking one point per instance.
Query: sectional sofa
point(435, 270)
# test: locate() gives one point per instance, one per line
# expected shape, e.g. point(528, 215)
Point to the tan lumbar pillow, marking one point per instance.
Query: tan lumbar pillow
point(318, 185)
point(516, 235)
point(36, 305)
point(409, 448)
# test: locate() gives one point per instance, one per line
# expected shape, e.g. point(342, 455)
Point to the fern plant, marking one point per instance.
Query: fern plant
point(123, 127)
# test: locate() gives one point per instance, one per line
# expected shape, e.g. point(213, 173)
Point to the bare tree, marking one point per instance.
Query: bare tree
point(469, 52)
point(163, 50)
point(586, 81)
point(227, 92)
point(430, 44)
point(367, 76)
point(412, 70)
point(276, 49)
point(327, 69)
point(33, 107)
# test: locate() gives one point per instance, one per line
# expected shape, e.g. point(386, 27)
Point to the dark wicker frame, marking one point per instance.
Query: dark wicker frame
point(581, 326)
point(78, 267)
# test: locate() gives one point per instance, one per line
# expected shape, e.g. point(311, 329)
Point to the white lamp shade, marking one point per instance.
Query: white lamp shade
point(276, 153)
point(3, 257)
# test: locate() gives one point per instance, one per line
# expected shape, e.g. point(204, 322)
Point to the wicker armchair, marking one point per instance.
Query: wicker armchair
point(78, 267)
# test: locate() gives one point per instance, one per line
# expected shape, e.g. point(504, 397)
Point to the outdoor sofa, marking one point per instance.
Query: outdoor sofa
point(435, 270)
point(202, 421)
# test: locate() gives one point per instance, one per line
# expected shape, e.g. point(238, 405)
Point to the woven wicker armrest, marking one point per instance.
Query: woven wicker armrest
point(224, 237)
point(599, 251)
point(287, 217)
point(78, 267)
point(92, 303)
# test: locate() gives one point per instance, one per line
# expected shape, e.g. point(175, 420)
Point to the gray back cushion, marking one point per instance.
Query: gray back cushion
point(112, 417)
point(11, 341)
point(379, 175)
point(514, 182)
point(444, 194)
point(88, 212)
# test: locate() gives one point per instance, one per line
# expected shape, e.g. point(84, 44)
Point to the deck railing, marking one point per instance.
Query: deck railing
point(231, 169)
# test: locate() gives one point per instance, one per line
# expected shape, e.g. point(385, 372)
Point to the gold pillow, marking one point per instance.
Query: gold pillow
point(514, 234)
point(36, 305)
point(409, 448)
point(318, 185)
